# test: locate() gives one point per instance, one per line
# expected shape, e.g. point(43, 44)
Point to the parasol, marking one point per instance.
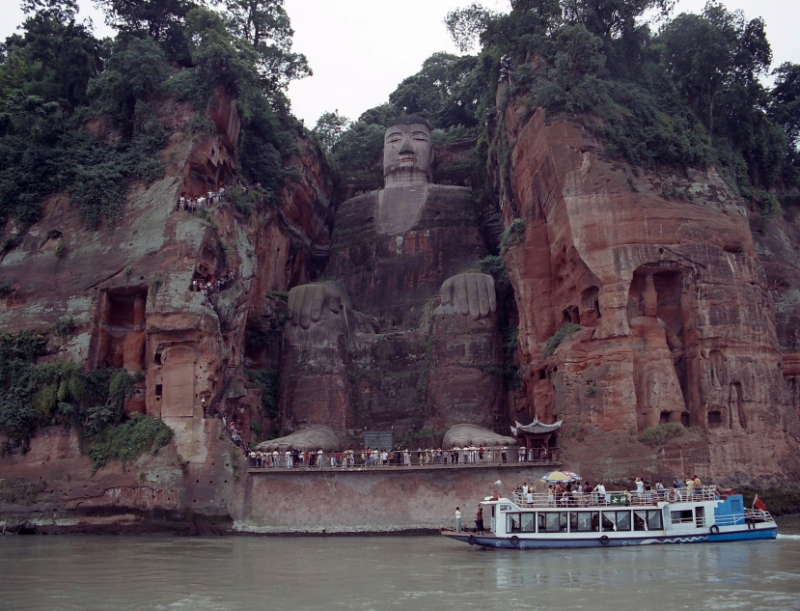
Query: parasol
point(555, 477)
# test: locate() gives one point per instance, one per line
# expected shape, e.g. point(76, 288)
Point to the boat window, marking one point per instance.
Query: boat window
point(654, 520)
point(528, 522)
point(552, 521)
point(512, 523)
point(682, 517)
point(584, 521)
point(616, 521)
point(505, 507)
point(640, 520)
point(700, 517)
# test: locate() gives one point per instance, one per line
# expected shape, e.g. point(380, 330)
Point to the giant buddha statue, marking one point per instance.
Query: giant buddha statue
point(405, 333)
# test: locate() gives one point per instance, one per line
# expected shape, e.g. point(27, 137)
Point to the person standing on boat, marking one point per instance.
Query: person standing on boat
point(690, 489)
point(601, 493)
point(676, 488)
point(479, 520)
point(698, 485)
point(587, 491)
point(458, 519)
point(639, 490)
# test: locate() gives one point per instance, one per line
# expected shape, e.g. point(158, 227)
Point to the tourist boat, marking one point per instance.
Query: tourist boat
point(621, 518)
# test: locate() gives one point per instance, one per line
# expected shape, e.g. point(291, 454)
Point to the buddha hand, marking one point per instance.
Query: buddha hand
point(308, 302)
point(471, 293)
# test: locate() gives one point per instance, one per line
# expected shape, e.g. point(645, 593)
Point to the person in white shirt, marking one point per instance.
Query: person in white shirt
point(458, 519)
point(601, 493)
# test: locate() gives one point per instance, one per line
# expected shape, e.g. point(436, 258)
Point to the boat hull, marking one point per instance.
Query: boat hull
point(491, 541)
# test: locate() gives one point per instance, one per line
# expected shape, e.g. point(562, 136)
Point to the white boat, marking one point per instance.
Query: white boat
point(620, 518)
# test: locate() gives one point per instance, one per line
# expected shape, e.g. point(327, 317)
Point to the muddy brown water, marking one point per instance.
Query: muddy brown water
point(390, 573)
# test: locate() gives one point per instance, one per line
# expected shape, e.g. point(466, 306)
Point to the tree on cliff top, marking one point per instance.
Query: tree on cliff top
point(266, 26)
point(717, 51)
point(329, 128)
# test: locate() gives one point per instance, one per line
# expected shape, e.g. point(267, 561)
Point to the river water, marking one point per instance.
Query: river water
point(390, 573)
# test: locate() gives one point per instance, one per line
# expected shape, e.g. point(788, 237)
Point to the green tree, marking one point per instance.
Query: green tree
point(785, 106)
point(55, 57)
point(360, 147)
point(717, 51)
point(161, 20)
point(466, 25)
point(221, 59)
point(133, 73)
point(265, 24)
point(158, 18)
point(329, 128)
point(441, 91)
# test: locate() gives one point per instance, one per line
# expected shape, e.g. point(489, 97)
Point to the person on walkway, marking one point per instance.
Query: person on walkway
point(690, 489)
point(458, 519)
point(639, 490)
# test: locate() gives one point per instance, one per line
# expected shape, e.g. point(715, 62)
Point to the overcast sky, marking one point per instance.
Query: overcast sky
point(360, 50)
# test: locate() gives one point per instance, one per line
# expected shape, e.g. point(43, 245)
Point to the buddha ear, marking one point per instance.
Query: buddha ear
point(430, 165)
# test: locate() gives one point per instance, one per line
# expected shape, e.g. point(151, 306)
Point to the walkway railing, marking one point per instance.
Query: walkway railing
point(268, 461)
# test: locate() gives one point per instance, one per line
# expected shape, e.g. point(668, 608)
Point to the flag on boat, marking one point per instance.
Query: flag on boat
point(759, 504)
point(555, 477)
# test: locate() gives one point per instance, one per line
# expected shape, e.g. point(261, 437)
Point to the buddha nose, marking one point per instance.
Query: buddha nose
point(406, 148)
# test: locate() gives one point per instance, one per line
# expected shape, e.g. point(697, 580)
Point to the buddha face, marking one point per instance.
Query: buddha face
point(407, 153)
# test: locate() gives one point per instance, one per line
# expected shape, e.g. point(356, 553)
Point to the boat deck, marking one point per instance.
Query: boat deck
point(615, 497)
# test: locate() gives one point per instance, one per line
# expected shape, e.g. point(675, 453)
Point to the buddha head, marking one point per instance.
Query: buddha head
point(407, 152)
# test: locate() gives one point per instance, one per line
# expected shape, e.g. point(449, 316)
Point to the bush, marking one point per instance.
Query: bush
point(658, 435)
point(127, 441)
point(495, 267)
point(513, 235)
point(37, 395)
point(555, 340)
point(64, 326)
point(268, 381)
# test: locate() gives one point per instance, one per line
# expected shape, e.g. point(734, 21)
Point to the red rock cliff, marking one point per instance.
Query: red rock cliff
point(677, 322)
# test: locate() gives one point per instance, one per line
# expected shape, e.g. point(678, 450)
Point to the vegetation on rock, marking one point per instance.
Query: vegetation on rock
point(688, 95)
point(554, 341)
point(36, 395)
point(80, 115)
point(658, 435)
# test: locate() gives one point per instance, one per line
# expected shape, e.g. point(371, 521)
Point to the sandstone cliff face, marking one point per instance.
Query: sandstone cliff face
point(128, 289)
point(677, 321)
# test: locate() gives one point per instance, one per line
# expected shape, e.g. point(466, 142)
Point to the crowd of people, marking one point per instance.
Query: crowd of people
point(207, 287)
point(374, 457)
point(577, 493)
point(192, 204)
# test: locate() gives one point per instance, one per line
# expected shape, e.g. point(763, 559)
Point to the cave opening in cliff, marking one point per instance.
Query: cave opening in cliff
point(714, 419)
point(656, 315)
point(590, 307)
point(120, 330)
